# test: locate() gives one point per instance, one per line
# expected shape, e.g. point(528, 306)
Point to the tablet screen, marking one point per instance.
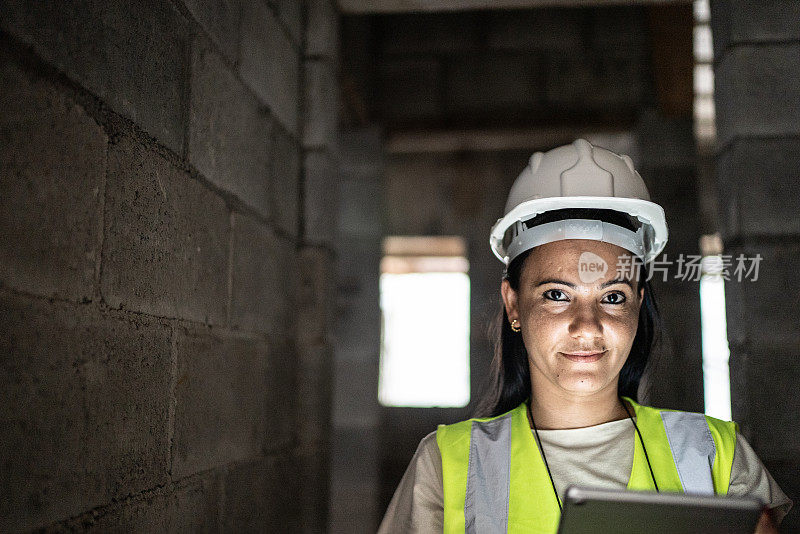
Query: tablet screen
point(589, 511)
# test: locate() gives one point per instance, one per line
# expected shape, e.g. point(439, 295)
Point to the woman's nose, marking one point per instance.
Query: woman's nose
point(586, 322)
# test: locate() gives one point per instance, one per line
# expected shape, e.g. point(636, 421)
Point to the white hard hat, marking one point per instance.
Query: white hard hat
point(579, 175)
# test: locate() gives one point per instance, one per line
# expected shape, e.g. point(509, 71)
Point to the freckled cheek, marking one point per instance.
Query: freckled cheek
point(544, 331)
point(618, 321)
point(622, 328)
point(627, 320)
point(541, 320)
point(549, 324)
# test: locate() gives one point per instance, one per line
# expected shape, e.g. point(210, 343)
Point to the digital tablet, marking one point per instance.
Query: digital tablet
point(589, 511)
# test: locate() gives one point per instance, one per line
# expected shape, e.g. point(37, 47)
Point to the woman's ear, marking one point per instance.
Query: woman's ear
point(509, 300)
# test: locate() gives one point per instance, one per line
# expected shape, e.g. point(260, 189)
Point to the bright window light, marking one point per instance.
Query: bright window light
point(716, 373)
point(704, 79)
point(703, 44)
point(425, 328)
point(702, 11)
point(705, 129)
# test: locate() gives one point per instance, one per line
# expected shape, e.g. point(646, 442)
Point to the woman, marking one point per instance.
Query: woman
point(579, 321)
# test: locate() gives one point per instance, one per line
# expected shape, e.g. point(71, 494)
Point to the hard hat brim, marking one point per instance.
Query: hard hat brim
point(648, 213)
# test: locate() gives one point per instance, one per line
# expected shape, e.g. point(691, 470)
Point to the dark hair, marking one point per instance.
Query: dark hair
point(510, 381)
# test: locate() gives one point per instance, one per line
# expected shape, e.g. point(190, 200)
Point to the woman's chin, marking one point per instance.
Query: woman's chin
point(582, 385)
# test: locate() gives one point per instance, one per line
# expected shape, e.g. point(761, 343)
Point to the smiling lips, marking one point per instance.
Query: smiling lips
point(584, 356)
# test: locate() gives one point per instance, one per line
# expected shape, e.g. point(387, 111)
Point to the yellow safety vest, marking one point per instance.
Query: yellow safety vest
point(495, 479)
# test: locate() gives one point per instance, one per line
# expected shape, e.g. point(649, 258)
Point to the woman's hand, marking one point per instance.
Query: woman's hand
point(766, 524)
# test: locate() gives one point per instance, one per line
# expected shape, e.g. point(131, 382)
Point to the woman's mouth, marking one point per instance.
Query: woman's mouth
point(584, 356)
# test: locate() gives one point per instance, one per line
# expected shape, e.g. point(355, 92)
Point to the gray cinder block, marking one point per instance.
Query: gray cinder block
point(291, 14)
point(320, 197)
point(263, 273)
point(220, 20)
point(269, 63)
point(165, 251)
point(322, 29)
point(220, 413)
point(229, 132)
point(84, 409)
point(284, 181)
point(757, 92)
point(759, 187)
point(314, 476)
point(316, 295)
point(262, 496)
point(315, 393)
point(132, 54)
point(760, 312)
point(321, 105)
point(736, 22)
point(759, 375)
point(52, 167)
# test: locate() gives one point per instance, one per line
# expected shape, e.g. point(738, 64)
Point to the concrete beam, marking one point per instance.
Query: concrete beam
point(480, 140)
point(361, 7)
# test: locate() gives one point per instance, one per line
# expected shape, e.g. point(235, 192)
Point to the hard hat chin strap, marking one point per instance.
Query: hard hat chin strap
point(525, 238)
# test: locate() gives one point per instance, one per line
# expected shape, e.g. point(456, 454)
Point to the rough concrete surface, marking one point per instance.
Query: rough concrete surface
point(220, 412)
point(84, 405)
point(229, 131)
point(320, 197)
point(259, 496)
point(321, 104)
point(756, 92)
point(269, 63)
point(263, 282)
point(220, 19)
point(284, 181)
point(129, 53)
point(166, 246)
point(322, 30)
point(52, 168)
point(759, 187)
point(737, 22)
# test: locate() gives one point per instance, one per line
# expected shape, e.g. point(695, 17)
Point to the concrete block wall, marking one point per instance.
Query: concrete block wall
point(757, 80)
point(511, 67)
point(318, 212)
point(167, 205)
point(359, 230)
point(667, 161)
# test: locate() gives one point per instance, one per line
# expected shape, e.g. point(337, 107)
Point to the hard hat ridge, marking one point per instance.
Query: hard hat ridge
point(579, 175)
point(586, 174)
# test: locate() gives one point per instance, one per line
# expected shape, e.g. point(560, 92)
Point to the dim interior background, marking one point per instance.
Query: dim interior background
point(203, 204)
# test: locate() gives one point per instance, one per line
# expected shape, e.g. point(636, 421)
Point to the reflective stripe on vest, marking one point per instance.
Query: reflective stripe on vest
point(495, 479)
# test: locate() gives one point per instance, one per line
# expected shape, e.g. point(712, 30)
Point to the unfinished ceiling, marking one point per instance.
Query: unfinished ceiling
point(499, 79)
point(400, 6)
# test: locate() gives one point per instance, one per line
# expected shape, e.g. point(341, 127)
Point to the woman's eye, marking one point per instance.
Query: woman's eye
point(615, 298)
point(555, 294)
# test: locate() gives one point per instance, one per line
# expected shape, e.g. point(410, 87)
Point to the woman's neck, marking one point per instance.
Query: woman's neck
point(559, 410)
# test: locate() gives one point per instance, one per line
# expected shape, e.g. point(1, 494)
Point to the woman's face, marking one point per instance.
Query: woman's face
point(578, 318)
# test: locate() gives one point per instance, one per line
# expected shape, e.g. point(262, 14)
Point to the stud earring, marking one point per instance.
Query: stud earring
point(515, 325)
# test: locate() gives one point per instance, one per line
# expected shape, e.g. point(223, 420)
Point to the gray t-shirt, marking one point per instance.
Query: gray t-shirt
point(597, 456)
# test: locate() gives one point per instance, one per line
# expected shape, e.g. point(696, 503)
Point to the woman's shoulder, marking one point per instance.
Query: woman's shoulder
point(427, 444)
point(749, 477)
point(673, 413)
point(482, 419)
point(455, 434)
point(417, 504)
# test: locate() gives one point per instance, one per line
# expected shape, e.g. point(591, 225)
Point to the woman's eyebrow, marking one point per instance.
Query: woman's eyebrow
point(618, 281)
point(572, 286)
point(554, 281)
